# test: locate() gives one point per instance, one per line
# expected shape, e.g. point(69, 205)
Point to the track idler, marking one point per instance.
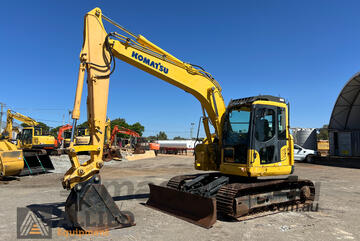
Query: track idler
point(91, 208)
point(189, 207)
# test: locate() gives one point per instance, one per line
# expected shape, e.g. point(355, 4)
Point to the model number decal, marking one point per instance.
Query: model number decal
point(147, 61)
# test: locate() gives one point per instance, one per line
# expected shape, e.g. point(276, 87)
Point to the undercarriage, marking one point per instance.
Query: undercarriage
point(201, 198)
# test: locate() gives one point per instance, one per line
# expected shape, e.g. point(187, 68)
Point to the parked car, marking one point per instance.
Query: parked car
point(303, 154)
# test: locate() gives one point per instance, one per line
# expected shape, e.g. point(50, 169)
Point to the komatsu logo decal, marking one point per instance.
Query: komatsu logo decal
point(147, 61)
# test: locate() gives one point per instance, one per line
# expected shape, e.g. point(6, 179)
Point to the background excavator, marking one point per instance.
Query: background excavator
point(35, 146)
point(122, 130)
point(60, 140)
point(110, 152)
point(251, 140)
point(136, 142)
point(82, 136)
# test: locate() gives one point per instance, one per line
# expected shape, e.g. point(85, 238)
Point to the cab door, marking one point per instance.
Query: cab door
point(269, 134)
point(26, 138)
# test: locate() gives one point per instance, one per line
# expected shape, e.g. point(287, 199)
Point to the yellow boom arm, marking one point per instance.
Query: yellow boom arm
point(11, 115)
point(98, 52)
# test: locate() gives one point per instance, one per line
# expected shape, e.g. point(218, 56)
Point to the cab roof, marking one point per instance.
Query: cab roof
point(250, 100)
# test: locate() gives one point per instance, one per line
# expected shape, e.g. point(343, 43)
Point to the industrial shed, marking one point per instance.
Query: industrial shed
point(344, 126)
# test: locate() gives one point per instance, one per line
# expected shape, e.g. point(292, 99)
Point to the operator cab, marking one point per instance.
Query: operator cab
point(27, 134)
point(82, 131)
point(254, 125)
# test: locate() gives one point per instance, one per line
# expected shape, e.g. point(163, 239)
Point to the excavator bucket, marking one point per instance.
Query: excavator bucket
point(11, 159)
point(91, 208)
point(189, 207)
point(35, 163)
point(11, 163)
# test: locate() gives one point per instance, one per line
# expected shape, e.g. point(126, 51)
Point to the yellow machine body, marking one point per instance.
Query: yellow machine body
point(33, 138)
point(67, 136)
point(253, 166)
point(82, 137)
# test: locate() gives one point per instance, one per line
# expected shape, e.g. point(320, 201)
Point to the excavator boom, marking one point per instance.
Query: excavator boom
point(11, 115)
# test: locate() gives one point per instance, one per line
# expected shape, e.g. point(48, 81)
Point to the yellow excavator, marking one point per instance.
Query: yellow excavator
point(82, 136)
point(35, 145)
point(251, 140)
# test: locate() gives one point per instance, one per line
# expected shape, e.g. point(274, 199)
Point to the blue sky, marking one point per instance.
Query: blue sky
point(304, 51)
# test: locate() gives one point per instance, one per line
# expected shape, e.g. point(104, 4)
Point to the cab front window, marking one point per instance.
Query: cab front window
point(236, 135)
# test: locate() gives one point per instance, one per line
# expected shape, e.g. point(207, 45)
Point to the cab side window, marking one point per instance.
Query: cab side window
point(265, 124)
point(281, 123)
point(27, 134)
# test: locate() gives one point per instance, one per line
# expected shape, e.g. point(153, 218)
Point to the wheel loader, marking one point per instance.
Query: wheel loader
point(249, 146)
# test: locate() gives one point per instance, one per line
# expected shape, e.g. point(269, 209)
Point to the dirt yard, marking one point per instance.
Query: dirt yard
point(336, 219)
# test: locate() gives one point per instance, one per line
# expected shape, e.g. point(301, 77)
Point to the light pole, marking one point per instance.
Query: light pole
point(1, 115)
point(191, 130)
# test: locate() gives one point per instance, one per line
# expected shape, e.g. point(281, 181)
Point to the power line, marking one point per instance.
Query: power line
point(49, 120)
point(41, 109)
point(156, 131)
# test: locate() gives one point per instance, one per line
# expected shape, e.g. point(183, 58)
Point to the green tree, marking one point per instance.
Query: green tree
point(83, 125)
point(122, 122)
point(161, 136)
point(323, 133)
point(179, 138)
point(119, 122)
point(54, 131)
point(138, 128)
point(151, 138)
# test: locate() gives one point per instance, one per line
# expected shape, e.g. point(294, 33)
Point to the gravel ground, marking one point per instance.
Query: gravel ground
point(336, 219)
